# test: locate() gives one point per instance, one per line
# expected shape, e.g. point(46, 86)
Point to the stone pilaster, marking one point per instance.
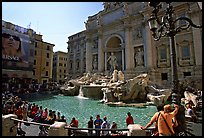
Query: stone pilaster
point(81, 60)
point(100, 54)
point(148, 45)
point(129, 50)
point(123, 57)
point(88, 55)
point(197, 36)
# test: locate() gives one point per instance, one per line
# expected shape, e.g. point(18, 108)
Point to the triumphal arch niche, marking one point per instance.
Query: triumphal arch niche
point(114, 53)
point(114, 39)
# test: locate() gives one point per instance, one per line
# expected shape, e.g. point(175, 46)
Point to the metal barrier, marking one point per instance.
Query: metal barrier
point(81, 131)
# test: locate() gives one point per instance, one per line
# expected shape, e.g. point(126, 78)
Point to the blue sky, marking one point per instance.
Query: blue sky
point(56, 21)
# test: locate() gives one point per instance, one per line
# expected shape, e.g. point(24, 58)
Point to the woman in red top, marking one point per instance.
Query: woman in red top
point(74, 122)
point(19, 114)
point(129, 119)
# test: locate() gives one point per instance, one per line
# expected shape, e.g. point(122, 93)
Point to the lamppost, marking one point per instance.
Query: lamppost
point(167, 27)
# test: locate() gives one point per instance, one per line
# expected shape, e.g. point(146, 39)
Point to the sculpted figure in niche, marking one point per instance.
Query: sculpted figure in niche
point(139, 33)
point(112, 60)
point(139, 57)
point(95, 64)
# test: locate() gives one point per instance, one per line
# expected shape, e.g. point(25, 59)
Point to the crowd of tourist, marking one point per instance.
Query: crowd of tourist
point(12, 104)
point(28, 88)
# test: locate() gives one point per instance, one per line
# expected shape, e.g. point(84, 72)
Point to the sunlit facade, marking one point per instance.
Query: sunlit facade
point(43, 60)
point(59, 67)
point(121, 28)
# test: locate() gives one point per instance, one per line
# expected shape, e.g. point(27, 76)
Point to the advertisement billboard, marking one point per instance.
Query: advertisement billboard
point(15, 50)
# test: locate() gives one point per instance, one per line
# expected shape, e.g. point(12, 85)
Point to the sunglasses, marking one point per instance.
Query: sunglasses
point(9, 36)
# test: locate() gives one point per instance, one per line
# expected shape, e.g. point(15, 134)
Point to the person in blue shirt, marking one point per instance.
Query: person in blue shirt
point(97, 124)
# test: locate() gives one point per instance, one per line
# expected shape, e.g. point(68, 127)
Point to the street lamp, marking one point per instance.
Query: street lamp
point(167, 27)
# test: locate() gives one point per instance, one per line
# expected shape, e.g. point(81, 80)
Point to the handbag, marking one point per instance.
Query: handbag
point(172, 134)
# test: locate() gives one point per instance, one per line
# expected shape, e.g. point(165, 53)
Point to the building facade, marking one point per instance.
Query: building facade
point(77, 55)
point(121, 28)
point(17, 55)
point(43, 60)
point(59, 67)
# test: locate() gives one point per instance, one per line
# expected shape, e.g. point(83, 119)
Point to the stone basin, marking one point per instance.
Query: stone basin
point(91, 91)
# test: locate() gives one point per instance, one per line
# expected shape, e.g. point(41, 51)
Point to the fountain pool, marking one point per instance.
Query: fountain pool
point(82, 108)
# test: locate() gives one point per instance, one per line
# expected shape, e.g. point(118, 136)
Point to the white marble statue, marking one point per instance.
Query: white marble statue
point(114, 76)
point(139, 57)
point(112, 60)
point(95, 64)
point(121, 76)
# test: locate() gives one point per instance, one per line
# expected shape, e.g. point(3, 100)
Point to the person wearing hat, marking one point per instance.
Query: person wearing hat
point(105, 125)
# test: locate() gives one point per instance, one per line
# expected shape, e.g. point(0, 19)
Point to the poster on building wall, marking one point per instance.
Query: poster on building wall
point(15, 51)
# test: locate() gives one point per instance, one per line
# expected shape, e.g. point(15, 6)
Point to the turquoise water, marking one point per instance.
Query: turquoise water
point(83, 108)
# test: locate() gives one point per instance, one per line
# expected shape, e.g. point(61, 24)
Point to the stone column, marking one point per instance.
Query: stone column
point(106, 61)
point(88, 55)
point(74, 62)
point(148, 45)
point(129, 51)
point(197, 36)
point(81, 60)
point(196, 17)
point(100, 54)
point(123, 57)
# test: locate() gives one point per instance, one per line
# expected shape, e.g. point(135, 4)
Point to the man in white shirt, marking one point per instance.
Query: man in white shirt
point(105, 125)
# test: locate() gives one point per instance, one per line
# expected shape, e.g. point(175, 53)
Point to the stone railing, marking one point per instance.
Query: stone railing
point(9, 128)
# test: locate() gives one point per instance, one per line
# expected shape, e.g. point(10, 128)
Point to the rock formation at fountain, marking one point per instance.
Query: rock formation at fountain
point(87, 79)
point(116, 89)
point(70, 88)
point(138, 89)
